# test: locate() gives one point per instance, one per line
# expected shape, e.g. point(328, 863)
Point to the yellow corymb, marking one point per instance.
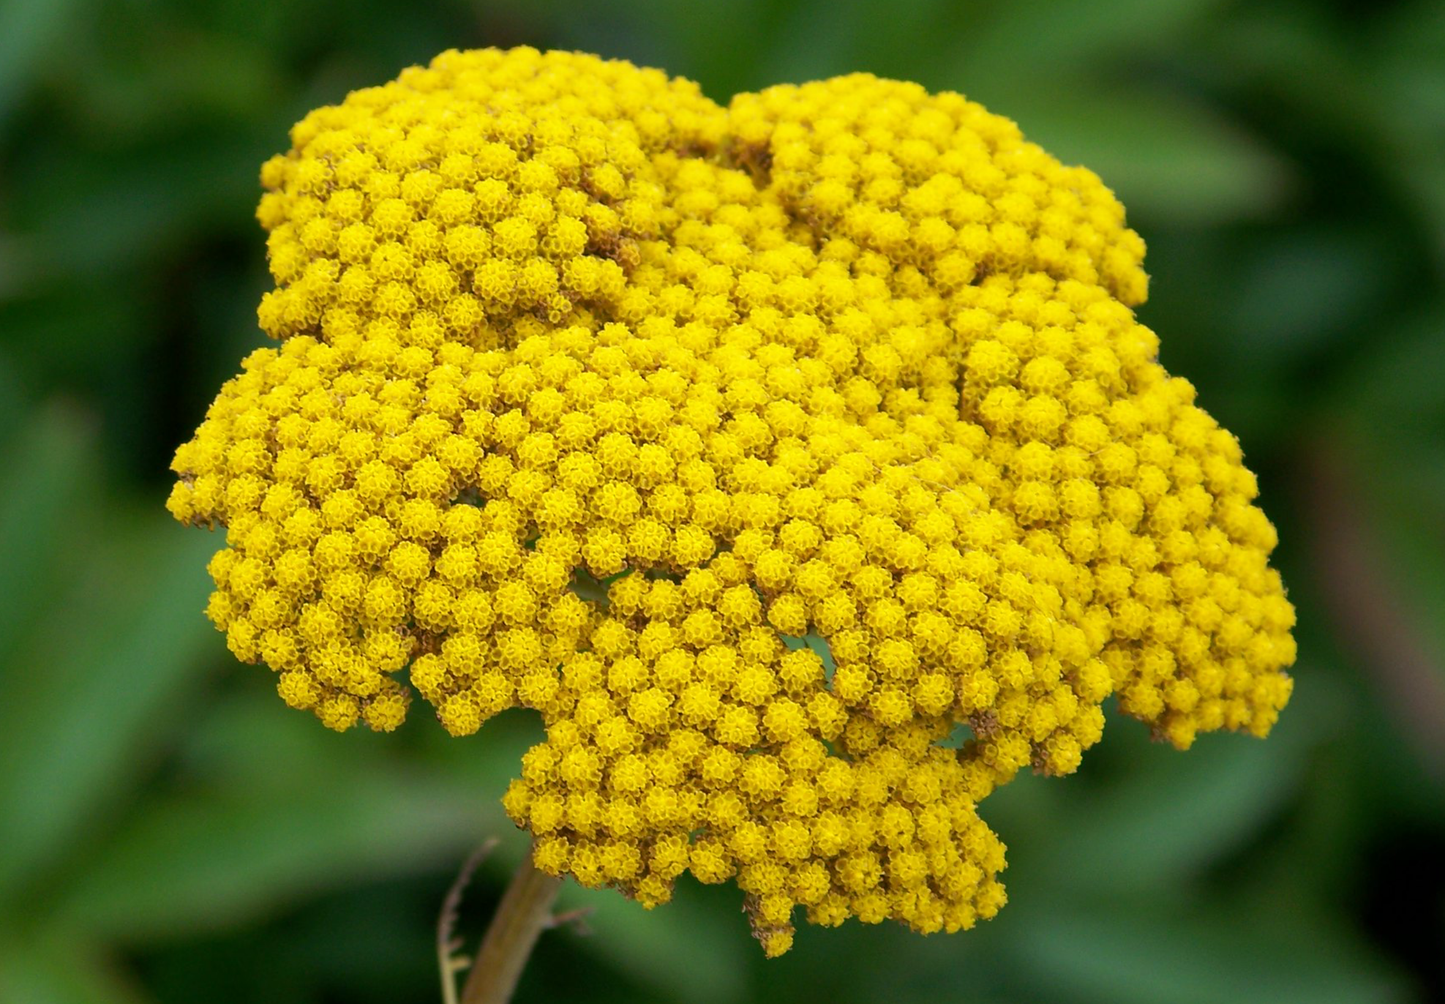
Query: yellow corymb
point(597, 398)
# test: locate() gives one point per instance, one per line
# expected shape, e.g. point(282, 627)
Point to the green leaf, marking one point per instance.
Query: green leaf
point(688, 949)
point(1297, 294)
point(30, 31)
point(124, 91)
point(268, 808)
point(1169, 160)
point(1159, 818)
point(1122, 953)
point(1025, 39)
point(52, 967)
point(210, 860)
point(1395, 386)
point(85, 692)
point(845, 36)
point(45, 471)
point(98, 215)
point(1157, 823)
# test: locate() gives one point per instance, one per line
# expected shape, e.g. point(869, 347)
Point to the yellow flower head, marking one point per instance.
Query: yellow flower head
point(757, 448)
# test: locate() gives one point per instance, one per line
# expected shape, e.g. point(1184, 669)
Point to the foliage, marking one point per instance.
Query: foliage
point(170, 834)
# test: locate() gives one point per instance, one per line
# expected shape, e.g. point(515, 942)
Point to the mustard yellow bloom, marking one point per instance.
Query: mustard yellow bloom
point(597, 398)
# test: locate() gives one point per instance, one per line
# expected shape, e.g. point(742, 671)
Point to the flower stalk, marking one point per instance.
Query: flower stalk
point(525, 911)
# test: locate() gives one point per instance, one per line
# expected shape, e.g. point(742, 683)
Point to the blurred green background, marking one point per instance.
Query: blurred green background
point(170, 833)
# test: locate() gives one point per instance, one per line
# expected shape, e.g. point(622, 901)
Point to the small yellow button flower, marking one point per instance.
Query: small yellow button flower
point(595, 397)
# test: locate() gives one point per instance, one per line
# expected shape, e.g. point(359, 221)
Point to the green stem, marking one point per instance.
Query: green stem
point(525, 911)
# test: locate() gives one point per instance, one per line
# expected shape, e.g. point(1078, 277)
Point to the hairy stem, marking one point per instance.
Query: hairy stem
point(525, 911)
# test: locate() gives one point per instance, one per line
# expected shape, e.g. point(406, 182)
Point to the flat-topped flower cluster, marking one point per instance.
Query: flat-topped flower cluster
point(757, 448)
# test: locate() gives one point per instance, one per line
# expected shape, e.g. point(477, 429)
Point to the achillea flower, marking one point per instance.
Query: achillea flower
point(600, 399)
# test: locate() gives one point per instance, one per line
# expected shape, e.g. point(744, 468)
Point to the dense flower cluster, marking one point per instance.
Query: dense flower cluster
point(758, 448)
